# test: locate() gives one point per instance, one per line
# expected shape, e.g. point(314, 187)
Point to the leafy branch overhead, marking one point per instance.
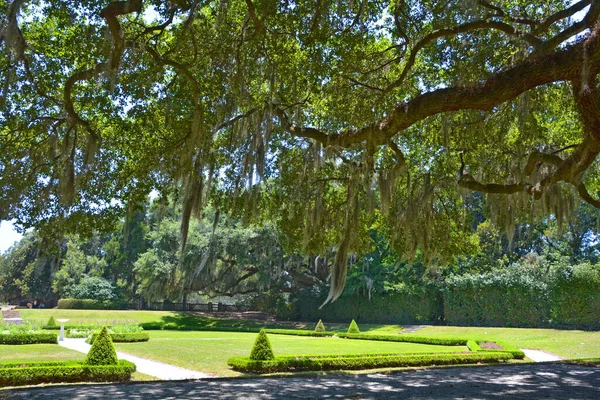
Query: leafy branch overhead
point(327, 118)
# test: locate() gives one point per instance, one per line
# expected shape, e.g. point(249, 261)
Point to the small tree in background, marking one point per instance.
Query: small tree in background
point(320, 327)
point(103, 351)
point(51, 323)
point(262, 348)
point(353, 328)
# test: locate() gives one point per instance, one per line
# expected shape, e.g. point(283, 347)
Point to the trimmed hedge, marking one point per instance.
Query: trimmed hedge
point(29, 338)
point(407, 338)
point(517, 353)
point(51, 324)
point(394, 307)
point(123, 337)
point(575, 296)
point(16, 374)
point(320, 326)
point(516, 296)
point(103, 351)
point(299, 332)
point(353, 328)
point(304, 363)
point(89, 304)
point(508, 298)
point(262, 349)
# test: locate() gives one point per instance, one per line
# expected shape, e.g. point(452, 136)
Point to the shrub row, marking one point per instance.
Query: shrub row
point(397, 306)
point(15, 374)
point(472, 345)
point(299, 332)
point(29, 338)
point(568, 296)
point(303, 363)
point(407, 338)
point(89, 304)
point(124, 337)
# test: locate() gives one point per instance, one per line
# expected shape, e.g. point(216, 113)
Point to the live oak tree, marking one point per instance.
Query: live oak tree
point(325, 117)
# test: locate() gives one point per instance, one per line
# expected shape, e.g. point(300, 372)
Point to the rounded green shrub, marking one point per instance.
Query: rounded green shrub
point(51, 323)
point(103, 351)
point(353, 328)
point(262, 350)
point(320, 327)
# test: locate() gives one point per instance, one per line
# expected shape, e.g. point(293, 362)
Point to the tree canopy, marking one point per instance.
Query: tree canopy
point(326, 118)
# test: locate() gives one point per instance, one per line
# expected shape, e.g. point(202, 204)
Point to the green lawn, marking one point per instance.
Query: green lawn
point(37, 352)
point(565, 343)
point(117, 317)
point(208, 351)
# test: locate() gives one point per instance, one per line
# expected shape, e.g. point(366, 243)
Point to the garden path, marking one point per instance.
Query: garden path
point(540, 356)
point(157, 369)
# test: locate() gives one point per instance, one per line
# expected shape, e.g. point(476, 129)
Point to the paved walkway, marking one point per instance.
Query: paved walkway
point(533, 381)
point(153, 368)
point(540, 356)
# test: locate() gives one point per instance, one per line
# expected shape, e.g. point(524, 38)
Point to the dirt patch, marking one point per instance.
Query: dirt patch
point(490, 346)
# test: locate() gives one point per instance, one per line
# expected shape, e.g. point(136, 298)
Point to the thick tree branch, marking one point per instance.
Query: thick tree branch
point(586, 196)
point(564, 64)
point(258, 25)
point(464, 28)
point(562, 14)
point(111, 13)
point(588, 22)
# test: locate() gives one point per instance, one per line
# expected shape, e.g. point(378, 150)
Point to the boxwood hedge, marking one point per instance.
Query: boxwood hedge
point(29, 338)
point(16, 374)
point(308, 363)
point(124, 337)
point(89, 304)
point(407, 338)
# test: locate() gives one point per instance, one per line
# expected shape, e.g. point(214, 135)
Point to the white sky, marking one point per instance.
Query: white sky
point(8, 235)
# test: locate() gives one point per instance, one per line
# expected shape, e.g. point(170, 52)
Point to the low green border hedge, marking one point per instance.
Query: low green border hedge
point(90, 304)
point(123, 337)
point(16, 374)
point(407, 338)
point(517, 353)
point(299, 332)
point(302, 363)
point(29, 338)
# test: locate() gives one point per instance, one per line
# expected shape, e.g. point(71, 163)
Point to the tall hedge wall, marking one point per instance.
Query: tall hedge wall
point(393, 307)
point(575, 297)
point(496, 299)
point(563, 296)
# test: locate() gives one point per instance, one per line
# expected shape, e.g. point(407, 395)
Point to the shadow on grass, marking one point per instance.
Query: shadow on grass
point(244, 322)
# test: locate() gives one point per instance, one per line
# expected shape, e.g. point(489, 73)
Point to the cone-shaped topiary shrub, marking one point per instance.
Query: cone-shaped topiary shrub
point(320, 327)
point(51, 323)
point(353, 328)
point(103, 351)
point(262, 348)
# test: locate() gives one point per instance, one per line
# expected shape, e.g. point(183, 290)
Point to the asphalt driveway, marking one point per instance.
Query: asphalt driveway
point(531, 381)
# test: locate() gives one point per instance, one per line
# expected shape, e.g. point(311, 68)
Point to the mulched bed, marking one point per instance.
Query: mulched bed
point(490, 346)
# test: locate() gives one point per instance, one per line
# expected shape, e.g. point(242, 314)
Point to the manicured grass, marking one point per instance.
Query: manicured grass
point(565, 343)
point(38, 352)
point(119, 317)
point(209, 351)
point(90, 317)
